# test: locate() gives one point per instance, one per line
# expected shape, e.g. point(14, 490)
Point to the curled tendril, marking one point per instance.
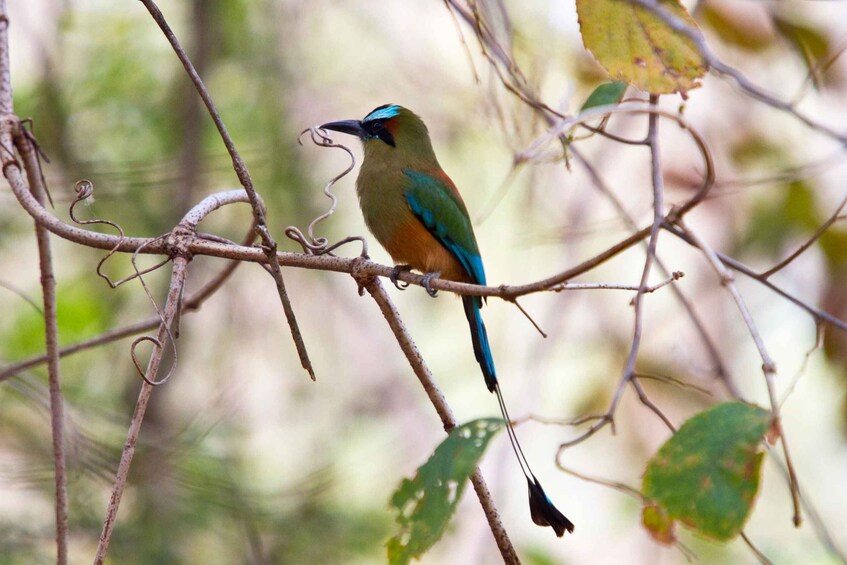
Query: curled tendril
point(141, 372)
point(84, 189)
point(155, 341)
point(320, 245)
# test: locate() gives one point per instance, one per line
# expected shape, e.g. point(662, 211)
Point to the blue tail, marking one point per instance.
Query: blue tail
point(481, 349)
point(542, 510)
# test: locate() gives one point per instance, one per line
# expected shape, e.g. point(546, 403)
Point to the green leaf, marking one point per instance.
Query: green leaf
point(637, 47)
point(605, 94)
point(426, 503)
point(707, 475)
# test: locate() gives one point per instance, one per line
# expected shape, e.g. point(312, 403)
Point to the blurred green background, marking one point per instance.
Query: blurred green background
point(242, 458)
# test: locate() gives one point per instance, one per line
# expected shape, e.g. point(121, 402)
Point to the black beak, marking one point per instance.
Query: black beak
point(353, 127)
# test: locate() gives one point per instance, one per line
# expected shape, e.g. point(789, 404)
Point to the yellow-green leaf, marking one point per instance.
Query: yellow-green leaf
point(636, 46)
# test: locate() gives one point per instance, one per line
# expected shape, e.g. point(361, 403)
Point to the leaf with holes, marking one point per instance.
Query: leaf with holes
point(636, 46)
point(425, 503)
point(707, 475)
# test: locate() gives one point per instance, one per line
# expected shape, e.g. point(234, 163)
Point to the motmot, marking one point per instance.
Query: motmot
point(416, 212)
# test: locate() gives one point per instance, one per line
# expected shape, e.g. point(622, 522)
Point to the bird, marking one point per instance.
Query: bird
point(416, 213)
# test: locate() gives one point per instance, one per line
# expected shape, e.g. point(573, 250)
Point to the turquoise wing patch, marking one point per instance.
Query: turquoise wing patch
point(445, 217)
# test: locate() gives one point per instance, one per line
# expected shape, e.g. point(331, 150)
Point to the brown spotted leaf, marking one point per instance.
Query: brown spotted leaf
point(636, 46)
point(707, 475)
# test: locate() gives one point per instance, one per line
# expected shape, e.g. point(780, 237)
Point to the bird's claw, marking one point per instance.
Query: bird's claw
point(395, 273)
point(426, 282)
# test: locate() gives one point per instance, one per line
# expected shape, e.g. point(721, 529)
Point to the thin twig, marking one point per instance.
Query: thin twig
point(22, 295)
point(671, 381)
point(558, 421)
point(801, 370)
point(645, 400)
point(269, 245)
point(530, 318)
point(655, 228)
point(821, 530)
point(736, 265)
point(675, 276)
point(763, 559)
point(614, 485)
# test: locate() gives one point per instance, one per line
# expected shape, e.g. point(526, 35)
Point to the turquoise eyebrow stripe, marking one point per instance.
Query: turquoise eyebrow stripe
point(383, 113)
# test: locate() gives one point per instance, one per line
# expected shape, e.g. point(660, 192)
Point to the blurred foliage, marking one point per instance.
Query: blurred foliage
point(777, 221)
point(757, 30)
point(810, 43)
point(735, 28)
point(81, 314)
point(186, 501)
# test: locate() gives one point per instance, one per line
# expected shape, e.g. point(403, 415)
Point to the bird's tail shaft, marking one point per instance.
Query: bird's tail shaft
point(543, 512)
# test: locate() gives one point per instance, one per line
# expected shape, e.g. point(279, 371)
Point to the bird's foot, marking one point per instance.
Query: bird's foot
point(395, 272)
point(427, 279)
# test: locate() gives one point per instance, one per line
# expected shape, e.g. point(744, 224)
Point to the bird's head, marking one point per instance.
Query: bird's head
point(388, 129)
